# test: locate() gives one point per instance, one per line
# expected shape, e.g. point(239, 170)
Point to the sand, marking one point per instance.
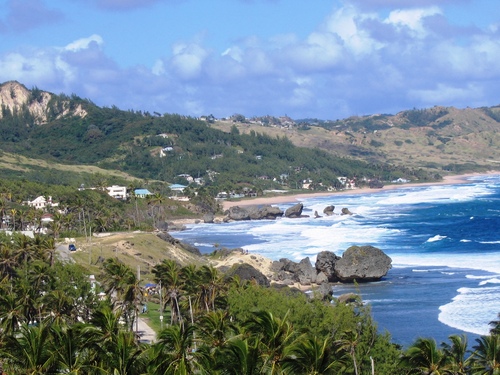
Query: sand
point(276, 199)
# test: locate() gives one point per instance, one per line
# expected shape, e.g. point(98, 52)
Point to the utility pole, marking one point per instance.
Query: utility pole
point(161, 308)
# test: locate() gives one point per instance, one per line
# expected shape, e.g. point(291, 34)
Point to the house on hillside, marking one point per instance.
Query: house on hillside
point(177, 187)
point(117, 192)
point(142, 193)
point(41, 203)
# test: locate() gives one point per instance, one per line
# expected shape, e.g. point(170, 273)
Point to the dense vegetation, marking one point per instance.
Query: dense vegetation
point(53, 321)
point(132, 141)
point(81, 212)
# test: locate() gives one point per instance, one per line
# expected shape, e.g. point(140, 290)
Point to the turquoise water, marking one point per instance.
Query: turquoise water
point(444, 241)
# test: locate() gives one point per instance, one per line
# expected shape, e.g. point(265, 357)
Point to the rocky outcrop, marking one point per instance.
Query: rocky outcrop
point(295, 211)
point(362, 263)
point(358, 263)
point(238, 213)
point(345, 211)
point(173, 241)
point(286, 270)
point(246, 272)
point(208, 218)
point(15, 96)
point(328, 210)
point(325, 264)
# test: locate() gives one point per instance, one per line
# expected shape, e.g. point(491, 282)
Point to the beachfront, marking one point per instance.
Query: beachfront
point(447, 180)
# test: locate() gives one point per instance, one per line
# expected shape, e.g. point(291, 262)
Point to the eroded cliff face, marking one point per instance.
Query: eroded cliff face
point(14, 96)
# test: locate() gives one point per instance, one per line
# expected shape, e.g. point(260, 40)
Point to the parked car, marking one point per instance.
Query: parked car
point(72, 247)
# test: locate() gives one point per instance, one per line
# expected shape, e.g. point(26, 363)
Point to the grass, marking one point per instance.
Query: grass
point(140, 251)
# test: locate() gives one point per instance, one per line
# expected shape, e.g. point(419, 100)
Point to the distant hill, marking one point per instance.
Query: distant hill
point(441, 139)
point(68, 130)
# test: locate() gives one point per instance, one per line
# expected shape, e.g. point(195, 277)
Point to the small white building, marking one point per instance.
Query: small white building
point(41, 202)
point(117, 192)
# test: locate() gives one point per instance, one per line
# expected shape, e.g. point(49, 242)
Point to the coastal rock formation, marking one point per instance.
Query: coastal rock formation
point(295, 211)
point(362, 263)
point(238, 213)
point(325, 264)
point(302, 272)
point(328, 210)
point(168, 238)
point(345, 211)
point(246, 272)
point(208, 218)
point(358, 263)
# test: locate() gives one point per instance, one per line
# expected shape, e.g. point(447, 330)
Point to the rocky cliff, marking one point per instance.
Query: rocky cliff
point(15, 98)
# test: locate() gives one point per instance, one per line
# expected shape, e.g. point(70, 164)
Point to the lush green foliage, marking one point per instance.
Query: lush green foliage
point(52, 322)
point(131, 141)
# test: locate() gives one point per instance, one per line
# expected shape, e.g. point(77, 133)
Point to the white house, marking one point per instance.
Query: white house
point(117, 192)
point(41, 202)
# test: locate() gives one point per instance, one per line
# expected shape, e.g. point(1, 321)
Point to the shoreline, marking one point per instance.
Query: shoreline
point(295, 198)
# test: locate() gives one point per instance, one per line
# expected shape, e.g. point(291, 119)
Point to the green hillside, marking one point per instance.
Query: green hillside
point(74, 131)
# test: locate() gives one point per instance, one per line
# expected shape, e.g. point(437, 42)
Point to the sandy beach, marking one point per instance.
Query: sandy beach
point(276, 199)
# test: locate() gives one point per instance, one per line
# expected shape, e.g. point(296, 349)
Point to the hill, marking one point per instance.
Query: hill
point(440, 139)
point(68, 130)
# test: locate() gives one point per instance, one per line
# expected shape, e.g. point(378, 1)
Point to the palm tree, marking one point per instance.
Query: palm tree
point(495, 326)
point(456, 355)
point(273, 335)
point(27, 352)
point(121, 283)
point(155, 201)
point(312, 356)
point(172, 353)
point(13, 213)
point(347, 346)
point(168, 273)
point(68, 349)
point(240, 356)
point(11, 308)
point(425, 357)
point(486, 357)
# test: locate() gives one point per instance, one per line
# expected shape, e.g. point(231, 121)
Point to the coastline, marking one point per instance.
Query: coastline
point(295, 198)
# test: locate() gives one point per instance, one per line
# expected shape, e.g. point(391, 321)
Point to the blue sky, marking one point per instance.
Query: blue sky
point(321, 59)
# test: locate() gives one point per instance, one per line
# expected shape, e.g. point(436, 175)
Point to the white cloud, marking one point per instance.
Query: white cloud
point(84, 43)
point(187, 60)
point(345, 22)
point(412, 19)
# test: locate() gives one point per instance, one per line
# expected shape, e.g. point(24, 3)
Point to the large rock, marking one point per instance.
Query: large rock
point(345, 211)
point(362, 263)
point(307, 273)
point(328, 210)
point(302, 272)
point(325, 263)
point(238, 213)
point(295, 211)
point(247, 272)
point(208, 218)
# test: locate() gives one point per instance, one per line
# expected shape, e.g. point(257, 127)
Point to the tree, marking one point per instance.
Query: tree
point(172, 353)
point(168, 273)
point(458, 361)
point(28, 351)
point(425, 357)
point(486, 357)
point(313, 356)
point(273, 336)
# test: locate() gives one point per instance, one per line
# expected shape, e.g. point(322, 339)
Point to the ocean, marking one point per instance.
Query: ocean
point(444, 241)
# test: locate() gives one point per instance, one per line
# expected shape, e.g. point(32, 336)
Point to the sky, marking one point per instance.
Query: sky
point(304, 59)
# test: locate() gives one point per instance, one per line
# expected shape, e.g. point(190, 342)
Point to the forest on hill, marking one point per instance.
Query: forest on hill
point(165, 147)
